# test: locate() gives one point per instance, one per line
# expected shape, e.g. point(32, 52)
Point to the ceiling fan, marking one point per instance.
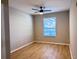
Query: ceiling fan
point(41, 9)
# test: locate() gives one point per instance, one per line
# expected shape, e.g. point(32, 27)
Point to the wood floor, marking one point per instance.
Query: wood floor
point(42, 51)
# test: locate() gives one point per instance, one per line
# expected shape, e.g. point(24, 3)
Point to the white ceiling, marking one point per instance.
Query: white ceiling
point(27, 5)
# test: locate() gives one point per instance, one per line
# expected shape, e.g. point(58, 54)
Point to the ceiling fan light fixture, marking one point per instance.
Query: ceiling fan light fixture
point(40, 13)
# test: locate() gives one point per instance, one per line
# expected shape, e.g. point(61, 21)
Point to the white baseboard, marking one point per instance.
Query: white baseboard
point(52, 43)
point(37, 42)
point(70, 52)
point(21, 47)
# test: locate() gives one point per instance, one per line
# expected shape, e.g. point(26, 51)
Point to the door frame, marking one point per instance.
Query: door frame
point(5, 33)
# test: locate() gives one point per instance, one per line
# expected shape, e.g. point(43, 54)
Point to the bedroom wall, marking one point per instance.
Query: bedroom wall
point(62, 20)
point(73, 29)
point(21, 28)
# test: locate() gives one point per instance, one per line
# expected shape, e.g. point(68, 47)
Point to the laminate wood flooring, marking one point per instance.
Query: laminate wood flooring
point(42, 51)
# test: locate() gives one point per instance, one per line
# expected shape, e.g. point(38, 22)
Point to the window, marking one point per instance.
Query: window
point(49, 25)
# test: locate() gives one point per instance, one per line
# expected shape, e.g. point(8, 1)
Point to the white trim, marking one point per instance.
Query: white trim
point(51, 43)
point(38, 42)
point(70, 52)
point(21, 47)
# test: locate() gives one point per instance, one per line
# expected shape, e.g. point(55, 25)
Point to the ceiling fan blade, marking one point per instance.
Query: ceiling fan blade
point(36, 12)
point(34, 9)
point(47, 10)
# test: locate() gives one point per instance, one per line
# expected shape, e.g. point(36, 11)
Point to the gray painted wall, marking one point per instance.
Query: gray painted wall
point(73, 29)
point(62, 20)
point(21, 28)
